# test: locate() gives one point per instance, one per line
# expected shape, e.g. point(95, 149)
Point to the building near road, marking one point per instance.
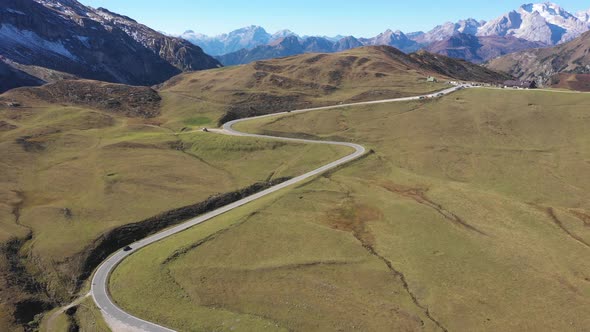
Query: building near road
point(520, 84)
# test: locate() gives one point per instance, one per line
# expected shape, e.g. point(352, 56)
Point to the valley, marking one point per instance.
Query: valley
point(418, 218)
point(343, 179)
point(71, 175)
point(92, 166)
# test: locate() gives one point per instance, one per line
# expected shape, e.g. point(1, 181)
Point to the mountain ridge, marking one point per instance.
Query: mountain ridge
point(544, 65)
point(66, 36)
point(529, 26)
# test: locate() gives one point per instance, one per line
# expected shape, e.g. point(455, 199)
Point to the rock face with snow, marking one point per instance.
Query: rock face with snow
point(480, 49)
point(66, 36)
point(244, 38)
point(543, 64)
point(531, 26)
point(584, 16)
point(449, 29)
point(544, 22)
point(11, 77)
point(396, 39)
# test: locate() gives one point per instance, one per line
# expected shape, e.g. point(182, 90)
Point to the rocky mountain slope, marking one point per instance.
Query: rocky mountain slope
point(396, 39)
point(480, 49)
point(543, 65)
point(455, 68)
point(448, 29)
point(13, 78)
point(544, 22)
point(66, 36)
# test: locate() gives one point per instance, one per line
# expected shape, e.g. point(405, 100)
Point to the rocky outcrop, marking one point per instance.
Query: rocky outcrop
point(458, 69)
point(480, 49)
point(11, 78)
point(545, 64)
point(131, 101)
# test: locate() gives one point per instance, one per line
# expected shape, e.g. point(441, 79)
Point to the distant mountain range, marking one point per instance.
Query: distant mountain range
point(245, 38)
point(529, 26)
point(42, 40)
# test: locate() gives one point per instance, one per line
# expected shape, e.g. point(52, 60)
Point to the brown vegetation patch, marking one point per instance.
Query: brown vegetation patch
point(335, 77)
point(284, 82)
point(362, 61)
point(354, 218)
point(577, 82)
point(37, 142)
point(266, 66)
point(584, 217)
point(347, 61)
point(315, 58)
point(551, 213)
point(134, 145)
point(5, 126)
point(263, 103)
point(132, 101)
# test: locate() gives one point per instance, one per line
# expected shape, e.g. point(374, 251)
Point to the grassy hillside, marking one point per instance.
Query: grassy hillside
point(361, 74)
point(82, 158)
point(472, 215)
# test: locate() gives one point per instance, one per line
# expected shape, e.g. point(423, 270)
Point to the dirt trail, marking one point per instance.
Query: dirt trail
point(50, 325)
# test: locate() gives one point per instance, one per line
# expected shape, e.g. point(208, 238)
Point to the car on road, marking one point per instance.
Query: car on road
point(127, 248)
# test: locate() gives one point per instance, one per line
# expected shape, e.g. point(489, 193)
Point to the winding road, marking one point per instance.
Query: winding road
point(120, 320)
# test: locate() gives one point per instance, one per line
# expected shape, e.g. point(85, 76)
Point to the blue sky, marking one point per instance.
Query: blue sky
point(364, 18)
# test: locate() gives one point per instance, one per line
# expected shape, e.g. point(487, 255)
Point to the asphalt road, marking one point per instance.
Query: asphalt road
point(120, 320)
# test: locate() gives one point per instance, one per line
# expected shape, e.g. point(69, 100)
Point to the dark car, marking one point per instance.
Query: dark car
point(127, 248)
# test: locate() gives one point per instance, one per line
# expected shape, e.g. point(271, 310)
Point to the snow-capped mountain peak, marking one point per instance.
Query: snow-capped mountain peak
point(543, 22)
point(282, 34)
point(584, 16)
point(246, 37)
point(469, 26)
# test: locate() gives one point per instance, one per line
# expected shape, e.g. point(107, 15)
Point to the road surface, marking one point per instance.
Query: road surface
point(120, 320)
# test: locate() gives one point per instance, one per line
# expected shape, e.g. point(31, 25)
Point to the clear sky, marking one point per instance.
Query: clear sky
point(364, 18)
